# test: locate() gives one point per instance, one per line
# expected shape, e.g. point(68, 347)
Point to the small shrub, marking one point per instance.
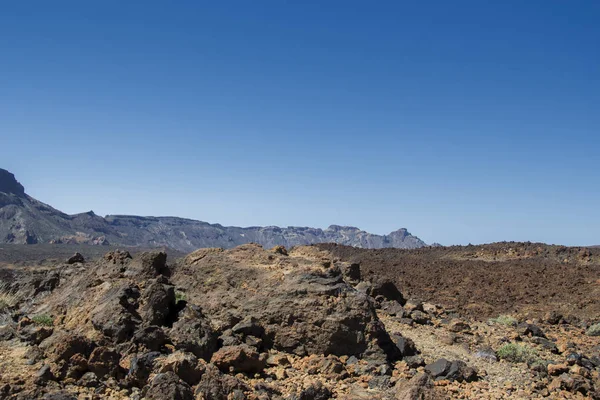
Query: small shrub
point(43, 319)
point(505, 320)
point(7, 298)
point(179, 296)
point(517, 353)
point(593, 330)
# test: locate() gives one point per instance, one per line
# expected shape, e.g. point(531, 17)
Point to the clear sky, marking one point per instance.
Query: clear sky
point(463, 121)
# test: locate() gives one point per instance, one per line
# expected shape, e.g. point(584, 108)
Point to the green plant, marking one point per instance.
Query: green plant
point(43, 319)
point(7, 298)
point(593, 330)
point(517, 353)
point(179, 296)
point(505, 320)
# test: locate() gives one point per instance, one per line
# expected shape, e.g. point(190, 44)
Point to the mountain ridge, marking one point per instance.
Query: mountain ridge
point(26, 220)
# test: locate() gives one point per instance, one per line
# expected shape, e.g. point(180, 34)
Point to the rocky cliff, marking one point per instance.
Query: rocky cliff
point(25, 220)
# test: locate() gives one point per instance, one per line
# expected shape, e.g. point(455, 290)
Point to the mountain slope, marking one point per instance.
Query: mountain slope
point(25, 220)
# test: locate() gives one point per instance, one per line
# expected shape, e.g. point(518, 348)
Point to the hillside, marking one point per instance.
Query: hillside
point(25, 220)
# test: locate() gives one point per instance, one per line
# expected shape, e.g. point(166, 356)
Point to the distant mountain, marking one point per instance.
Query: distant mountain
point(25, 220)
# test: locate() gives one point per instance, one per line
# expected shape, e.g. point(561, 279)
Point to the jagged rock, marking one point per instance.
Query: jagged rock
point(185, 365)
point(413, 305)
point(420, 317)
point(456, 325)
point(116, 314)
point(104, 362)
point(118, 257)
point(439, 368)
point(148, 265)
point(240, 358)
point(63, 345)
point(420, 387)
point(48, 284)
point(153, 338)
point(29, 331)
point(215, 385)
point(530, 329)
point(280, 250)
point(43, 375)
point(59, 395)
point(351, 271)
point(89, 380)
point(316, 391)
point(405, 345)
point(158, 301)
point(553, 317)
point(168, 386)
point(387, 289)
point(76, 258)
point(545, 343)
point(249, 326)
point(192, 333)
point(141, 367)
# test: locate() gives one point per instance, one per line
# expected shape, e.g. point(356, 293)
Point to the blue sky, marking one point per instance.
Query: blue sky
point(463, 121)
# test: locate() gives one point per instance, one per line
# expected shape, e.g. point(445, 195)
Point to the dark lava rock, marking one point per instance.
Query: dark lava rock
point(89, 380)
point(420, 387)
point(351, 271)
point(168, 386)
point(214, 385)
point(420, 317)
point(60, 395)
point(405, 345)
point(153, 338)
point(242, 358)
point(185, 365)
point(76, 258)
point(43, 375)
point(158, 302)
point(249, 326)
point(104, 361)
point(192, 333)
point(141, 367)
point(317, 391)
point(63, 345)
point(148, 265)
point(439, 368)
point(414, 362)
point(31, 332)
point(530, 329)
point(116, 313)
point(387, 289)
point(545, 343)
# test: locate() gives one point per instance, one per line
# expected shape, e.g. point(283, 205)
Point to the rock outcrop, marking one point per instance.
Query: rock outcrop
point(25, 220)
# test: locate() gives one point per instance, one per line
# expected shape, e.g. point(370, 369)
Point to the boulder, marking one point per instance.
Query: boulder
point(158, 303)
point(192, 333)
point(148, 265)
point(76, 258)
point(214, 385)
point(168, 386)
point(141, 367)
point(105, 362)
point(439, 368)
point(29, 331)
point(116, 314)
point(420, 387)
point(387, 289)
point(242, 358)
point(184, 365)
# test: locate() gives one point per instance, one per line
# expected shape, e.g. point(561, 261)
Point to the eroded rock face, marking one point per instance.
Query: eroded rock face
point(302, 310)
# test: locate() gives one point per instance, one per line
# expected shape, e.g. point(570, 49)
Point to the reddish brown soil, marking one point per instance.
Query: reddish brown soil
point(485, 281)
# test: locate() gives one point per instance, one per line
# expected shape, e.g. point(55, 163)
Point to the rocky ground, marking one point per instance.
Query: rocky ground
point(316, 322)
